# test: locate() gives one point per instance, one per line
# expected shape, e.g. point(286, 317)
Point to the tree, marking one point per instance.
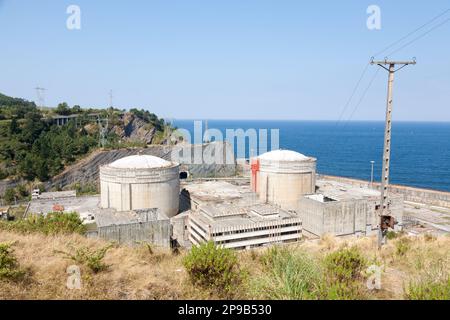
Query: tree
point(63, 109)
point(13, 127)
point(10, 195)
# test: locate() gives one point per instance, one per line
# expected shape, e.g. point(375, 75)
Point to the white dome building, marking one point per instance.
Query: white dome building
point(281, 177)
point(140, 182)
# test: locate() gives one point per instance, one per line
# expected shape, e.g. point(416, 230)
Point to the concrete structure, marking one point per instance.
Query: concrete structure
point(132, 227)
point(419, 195)
point(84, 206)
point(140, 182)
point(281, 177)
point(343, 209)
point(243, 227)
point(233, 216)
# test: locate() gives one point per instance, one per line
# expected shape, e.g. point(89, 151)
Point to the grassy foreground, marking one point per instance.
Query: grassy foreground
point(412, 268)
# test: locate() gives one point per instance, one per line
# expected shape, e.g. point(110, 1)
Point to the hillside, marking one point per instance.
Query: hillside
point(33, 147)
point(292, 273)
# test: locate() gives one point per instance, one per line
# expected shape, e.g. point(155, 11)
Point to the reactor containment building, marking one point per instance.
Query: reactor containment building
point(140, 182)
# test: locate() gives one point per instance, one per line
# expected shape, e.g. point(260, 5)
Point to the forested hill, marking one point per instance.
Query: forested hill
point(34, 147)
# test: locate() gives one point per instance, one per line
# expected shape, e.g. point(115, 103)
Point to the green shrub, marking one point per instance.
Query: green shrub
point(345, 265)
point(289, 275)
point(429, 290)
point(50, 224)
point(9, 267)
point(344, 275)
point(85, 189)
point(214, 268)
point(10, 195)
point(93, 259)
point(391, 235)
point(402, 246)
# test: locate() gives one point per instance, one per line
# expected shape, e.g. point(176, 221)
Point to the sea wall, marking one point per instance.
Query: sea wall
point(426, 196)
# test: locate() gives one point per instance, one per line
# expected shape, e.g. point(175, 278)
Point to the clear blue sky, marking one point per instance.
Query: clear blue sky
point(233, 59)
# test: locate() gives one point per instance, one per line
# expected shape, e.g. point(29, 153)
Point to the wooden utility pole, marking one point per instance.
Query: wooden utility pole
point(386, 219)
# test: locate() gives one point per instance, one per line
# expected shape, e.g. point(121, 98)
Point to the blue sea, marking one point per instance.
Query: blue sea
point(420, 150)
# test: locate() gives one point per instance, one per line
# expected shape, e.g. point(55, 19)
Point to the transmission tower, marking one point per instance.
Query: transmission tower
point(40, 93)
point(110, 98)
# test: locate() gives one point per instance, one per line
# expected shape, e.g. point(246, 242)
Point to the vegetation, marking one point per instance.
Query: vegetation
point(32, 147)
point(332, 269)
point(289, 275)
point(429, 290)
point(84, 189)
point(16, 194)
point(149, 117)
point(91, 258)
point(213, 268)
point(9, 267)
point(402, 246)
point(295, 274)
point(345, 274)
point(51, 224)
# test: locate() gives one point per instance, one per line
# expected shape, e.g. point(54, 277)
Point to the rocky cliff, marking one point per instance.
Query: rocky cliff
point(87, 170)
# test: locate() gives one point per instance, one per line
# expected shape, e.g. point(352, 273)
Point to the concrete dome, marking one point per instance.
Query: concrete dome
point(283, 155)
point(140, 162)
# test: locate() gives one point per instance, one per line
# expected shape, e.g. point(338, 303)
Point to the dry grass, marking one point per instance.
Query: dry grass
point(134, 273)
point(138, 273)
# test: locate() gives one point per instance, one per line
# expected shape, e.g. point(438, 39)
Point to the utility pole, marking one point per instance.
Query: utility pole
point(386, 219)
point(371, 173)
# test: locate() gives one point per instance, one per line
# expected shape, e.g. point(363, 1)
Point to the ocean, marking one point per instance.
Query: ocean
point(420, 150)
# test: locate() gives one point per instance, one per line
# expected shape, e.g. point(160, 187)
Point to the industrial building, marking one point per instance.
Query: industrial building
point(132, 227)
point(140, 182)
point(233, 216)
point(243, 227)
point(279, 201)
point(343, 209)
point(281, 177)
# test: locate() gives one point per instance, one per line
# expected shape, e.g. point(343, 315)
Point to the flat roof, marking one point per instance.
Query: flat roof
point(243, 215)
point(340, 191)
point(82, 205)
point(110, 217)
point(217, 192)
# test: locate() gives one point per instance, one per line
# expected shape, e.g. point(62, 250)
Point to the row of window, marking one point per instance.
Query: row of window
point(227, 233)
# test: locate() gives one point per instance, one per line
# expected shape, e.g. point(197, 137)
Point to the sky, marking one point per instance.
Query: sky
point(233, 59)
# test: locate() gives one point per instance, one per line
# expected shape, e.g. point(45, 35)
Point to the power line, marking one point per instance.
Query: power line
point(353, 93)
point(412, 32)
point(363, 96)
point(420, 37)
point(397, 50)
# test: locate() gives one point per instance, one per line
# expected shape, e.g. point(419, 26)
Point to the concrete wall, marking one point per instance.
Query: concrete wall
point(344, 217)
point(426, 196)
point(154, 232)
